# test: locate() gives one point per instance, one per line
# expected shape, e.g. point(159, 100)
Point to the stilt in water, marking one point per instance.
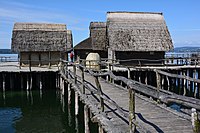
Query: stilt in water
point(76, 103)
point(40, 80)
point(86, 119)
point(22, 82)
point(69, 94)
point(27, 82)
point(4, 83)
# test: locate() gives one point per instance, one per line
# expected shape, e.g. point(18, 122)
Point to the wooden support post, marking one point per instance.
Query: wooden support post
point(75, 78)
point(195, 121)
point(22, 81)
point(82, 75)
point(163, 81)
point(31, 81)
point(131, 109)
point(100, 93)
point(100, 129)
point(76, 125)
point(139, 77)
point(195, 84)
point(40, 80)
point(27, 82)
point(86, 119)
point(4, 83)
point(76, 103)
point(129, 73)
point(69, 94)
point(168, 85)
point(11, 81)
point(158, 80)
point(184, 84)
point(146, 78)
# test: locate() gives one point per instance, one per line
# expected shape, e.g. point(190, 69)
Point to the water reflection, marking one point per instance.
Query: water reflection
point(36, 111)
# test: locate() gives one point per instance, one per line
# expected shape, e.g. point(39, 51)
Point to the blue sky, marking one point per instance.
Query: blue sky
point(181, 16)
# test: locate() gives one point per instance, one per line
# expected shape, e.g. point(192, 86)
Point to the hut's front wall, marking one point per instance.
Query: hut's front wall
point(143, 58)
point(39, 58)
point(98, 35)
point(37, 40)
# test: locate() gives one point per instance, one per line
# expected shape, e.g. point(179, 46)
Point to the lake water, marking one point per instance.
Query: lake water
point(38, 111)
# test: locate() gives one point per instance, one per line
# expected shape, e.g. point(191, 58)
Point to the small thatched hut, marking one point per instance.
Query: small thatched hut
point(138, 35)
point(40, 43)
point(96, 43)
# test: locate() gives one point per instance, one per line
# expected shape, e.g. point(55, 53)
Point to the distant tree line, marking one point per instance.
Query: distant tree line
point(6, 51)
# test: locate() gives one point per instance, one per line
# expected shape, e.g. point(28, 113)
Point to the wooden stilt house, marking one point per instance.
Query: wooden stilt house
point(40, 43)
point(138, 37)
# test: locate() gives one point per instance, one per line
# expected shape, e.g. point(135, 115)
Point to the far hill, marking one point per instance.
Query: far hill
point(186, 49)
point(6, 51)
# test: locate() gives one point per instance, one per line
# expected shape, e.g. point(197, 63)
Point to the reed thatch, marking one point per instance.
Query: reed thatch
point(85, 44)
point(98, 35)
point(40, 37)
point(138, 31)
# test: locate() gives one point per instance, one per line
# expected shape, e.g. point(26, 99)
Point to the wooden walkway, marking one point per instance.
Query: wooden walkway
point(151, 116)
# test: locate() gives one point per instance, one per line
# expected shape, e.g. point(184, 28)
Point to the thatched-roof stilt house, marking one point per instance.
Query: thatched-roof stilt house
point(138, 35)
point(40, 43)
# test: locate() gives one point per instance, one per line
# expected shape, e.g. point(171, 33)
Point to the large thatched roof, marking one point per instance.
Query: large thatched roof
point(85, 44)
point(40, 37)
point(98, 35)
point(138, 31)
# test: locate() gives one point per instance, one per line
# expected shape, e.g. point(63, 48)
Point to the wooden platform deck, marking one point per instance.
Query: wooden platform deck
point(14, 67)
point(152, 116)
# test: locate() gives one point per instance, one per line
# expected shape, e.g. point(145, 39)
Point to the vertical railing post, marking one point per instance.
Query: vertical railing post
point(74, 68)
point(131, 109)
point(100, 93)
point(195, 121)
point(83, 78)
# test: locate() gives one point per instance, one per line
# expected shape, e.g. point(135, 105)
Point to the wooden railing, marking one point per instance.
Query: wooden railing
point(99, 92)
point(161, 95)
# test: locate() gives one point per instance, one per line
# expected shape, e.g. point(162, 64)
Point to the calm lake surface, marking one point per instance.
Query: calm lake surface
point(38, 111)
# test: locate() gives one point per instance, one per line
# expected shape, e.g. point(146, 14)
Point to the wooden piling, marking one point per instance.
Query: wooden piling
point(184, 84)
point(146, 78)
point(158, 80)
point(163, 81)
point(168, 84)
point(131, 109)
point(75, 78)
point(31, 82)
point(69, 94)
point(100, 93)
point(4, 83)
point(27, 82)
point(40, 80)
point(82, 76)
point(129, 73)
point(22, 81)
point(195, 84)
point(76, 103)
point(86, 119)
point(100, 129)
